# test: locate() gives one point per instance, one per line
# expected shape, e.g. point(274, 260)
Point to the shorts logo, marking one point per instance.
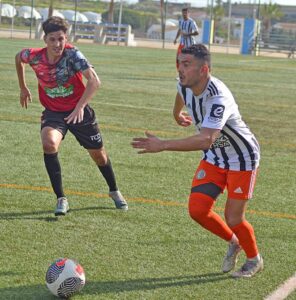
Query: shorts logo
point(201, 174)
point(96, 138)
point(238, 190)
point(217, 112)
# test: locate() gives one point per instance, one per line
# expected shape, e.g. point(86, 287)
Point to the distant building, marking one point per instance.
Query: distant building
point(154, 32)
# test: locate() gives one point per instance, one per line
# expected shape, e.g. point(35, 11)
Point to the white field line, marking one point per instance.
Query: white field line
point(169, 110)
point(262, 60)
point(283, 290)
point(134, 106)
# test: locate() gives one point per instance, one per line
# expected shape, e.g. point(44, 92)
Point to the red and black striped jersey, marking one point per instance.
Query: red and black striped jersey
point(236, 148)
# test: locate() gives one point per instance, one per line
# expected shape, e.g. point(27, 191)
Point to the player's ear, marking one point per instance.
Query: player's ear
point(204, 68)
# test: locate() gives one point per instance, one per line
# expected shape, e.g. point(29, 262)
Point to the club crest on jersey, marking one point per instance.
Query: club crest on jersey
point(201, 174)
point(217, 112)
point(221, 142)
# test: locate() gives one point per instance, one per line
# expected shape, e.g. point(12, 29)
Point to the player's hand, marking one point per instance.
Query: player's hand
point(183, 119)
point(151, 144)
point(76, 116)
point(25, 97)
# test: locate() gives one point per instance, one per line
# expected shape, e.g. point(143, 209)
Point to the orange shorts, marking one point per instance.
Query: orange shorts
point(239, 184)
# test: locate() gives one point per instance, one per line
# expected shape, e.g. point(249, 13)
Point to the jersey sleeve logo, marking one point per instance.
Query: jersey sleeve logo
point(217, 112)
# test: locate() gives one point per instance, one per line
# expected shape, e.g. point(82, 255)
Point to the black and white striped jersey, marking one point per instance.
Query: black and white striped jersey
point(187, 26)
point(236, 148)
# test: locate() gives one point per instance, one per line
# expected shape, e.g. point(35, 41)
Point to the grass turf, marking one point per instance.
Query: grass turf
point(154, 251)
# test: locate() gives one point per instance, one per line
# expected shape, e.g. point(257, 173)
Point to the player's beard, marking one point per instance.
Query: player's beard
point(187, 83)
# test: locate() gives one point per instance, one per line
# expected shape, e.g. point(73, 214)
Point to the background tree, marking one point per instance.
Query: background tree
point(50, 9)
point(162, 19)
point(268, 13)
point(217, 13)
point(140, 21)
point(111, 12)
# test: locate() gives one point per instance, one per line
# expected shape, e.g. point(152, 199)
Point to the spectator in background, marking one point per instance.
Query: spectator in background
point(187, 30)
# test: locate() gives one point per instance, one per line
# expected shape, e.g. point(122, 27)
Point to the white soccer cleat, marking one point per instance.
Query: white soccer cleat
point(231, 257)
point(62, 207)
point(119, 200)
point(249, 268)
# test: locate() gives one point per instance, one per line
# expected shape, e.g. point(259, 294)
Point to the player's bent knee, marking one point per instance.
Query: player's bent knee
point(232, 221)
point(199, 206)
point(49, 147)
point(99, 156)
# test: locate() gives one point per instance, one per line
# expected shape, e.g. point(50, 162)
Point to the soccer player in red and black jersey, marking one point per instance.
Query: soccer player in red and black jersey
point(230, 160)
point(60, 69)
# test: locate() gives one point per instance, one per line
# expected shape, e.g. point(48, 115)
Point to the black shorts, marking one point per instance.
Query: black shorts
point(86, 132)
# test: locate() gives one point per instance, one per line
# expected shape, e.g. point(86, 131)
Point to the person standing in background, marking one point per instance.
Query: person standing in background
point(187, 30)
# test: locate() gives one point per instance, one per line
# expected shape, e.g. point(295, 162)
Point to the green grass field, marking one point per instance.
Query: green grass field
point(154, 251)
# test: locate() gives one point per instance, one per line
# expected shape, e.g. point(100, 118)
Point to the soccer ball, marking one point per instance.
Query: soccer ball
point(65, 277)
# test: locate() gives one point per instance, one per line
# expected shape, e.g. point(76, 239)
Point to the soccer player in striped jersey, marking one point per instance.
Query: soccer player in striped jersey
point(187, 30)
point(60, 69)
point(230, 157)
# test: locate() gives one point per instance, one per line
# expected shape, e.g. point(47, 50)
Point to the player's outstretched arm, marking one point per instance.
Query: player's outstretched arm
point(152, 144)
point(25, 94)
point(93, 83)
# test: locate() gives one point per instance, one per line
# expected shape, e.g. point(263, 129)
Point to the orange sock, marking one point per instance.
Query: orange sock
point(246, 236)
point(200, 210)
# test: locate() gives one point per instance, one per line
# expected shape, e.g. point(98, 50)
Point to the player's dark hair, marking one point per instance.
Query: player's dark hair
point(185, 9)
point(53, 24)
point(199, 51)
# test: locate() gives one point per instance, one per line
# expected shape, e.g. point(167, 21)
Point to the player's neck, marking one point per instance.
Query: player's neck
point(200, 87)
point(52, 59)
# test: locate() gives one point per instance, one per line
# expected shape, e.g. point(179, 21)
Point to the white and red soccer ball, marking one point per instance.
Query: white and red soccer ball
point(65, 277)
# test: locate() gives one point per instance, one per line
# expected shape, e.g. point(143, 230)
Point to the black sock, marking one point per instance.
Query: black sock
point(53, 168)
point(107, 172)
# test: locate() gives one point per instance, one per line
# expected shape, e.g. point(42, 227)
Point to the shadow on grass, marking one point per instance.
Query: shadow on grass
point(37, 215)
point(114, 287)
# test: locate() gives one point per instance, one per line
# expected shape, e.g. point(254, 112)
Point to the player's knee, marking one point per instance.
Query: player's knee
point(234, 214)
point(102, 161)
point(199, 206)
point(49, 146)
point(232, 220)
point(99, 156)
